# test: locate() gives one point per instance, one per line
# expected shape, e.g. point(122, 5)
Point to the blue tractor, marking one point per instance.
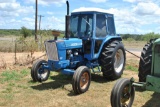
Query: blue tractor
point(90, 43)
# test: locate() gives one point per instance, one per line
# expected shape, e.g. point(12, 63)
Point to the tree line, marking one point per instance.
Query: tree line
point(25, 32)
point(141, 37)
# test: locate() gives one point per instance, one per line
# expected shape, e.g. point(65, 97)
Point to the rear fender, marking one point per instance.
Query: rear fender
point(107, 40)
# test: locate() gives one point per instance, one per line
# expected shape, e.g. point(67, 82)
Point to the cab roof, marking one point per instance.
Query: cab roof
point(90, 10)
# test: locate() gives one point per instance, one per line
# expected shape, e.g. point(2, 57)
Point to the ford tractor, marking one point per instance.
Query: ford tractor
point(123, 92)
point(90, 43)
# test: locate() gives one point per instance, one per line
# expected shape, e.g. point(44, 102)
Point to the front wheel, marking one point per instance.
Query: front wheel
point(81, 80)
point(38, 73)
point(122, 94)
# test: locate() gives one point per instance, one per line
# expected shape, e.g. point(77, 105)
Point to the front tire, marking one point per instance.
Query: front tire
point(122, 94)
point(112, 60)
point(81, 80)
point(38, 73)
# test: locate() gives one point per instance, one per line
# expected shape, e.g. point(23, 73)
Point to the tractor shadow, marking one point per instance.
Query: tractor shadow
point(99, 78)
point(154, 101)
point(60, 80)
point(94, 78)
point(57, 81)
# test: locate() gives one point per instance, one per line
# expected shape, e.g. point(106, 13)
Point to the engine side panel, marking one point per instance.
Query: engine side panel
point(156, 58)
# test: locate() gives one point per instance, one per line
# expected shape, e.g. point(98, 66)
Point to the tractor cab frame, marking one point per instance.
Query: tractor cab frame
point(95, 29)
point(90, 42)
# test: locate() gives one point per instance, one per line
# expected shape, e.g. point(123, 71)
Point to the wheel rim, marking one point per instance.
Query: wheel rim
point(84, 80)
point(125, 96)
point(119, 61)
point(42, 73)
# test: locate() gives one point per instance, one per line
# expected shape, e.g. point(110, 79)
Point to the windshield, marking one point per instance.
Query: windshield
point(81, 25)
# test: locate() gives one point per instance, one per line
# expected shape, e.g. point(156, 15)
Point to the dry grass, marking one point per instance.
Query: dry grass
point(17, 88)
point(3, 64)
point(136, 45)
point(57, 91)
point(7, 43)
point(7, 46)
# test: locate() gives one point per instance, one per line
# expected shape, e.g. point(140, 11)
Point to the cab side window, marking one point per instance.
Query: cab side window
point(101, 30)
point(111, 27)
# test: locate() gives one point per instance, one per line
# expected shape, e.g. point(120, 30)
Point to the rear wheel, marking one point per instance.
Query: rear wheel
point(112, 60)
point(81, 80)
point(122, 94)
point(38, 73)
point(145, 62)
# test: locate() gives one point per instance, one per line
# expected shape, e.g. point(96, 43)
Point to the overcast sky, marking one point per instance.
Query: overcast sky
point(131, 16)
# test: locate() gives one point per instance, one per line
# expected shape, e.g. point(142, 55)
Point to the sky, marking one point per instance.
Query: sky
point(131, 16)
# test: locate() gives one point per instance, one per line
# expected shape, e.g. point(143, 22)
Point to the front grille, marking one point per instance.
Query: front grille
point(51, 50)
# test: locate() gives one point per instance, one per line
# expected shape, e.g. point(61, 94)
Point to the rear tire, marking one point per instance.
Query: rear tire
point(121, 96)
point(145, 62)
point(81, 80)
point(112, 60)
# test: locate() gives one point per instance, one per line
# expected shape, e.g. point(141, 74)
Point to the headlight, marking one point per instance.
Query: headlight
point(75, 53)
point(69, 52)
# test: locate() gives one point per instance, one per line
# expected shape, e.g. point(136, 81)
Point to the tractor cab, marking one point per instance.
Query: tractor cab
point(93, 27)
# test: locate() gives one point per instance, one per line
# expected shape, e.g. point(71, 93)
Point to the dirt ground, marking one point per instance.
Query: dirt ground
point(9, 58)
point(57, 91)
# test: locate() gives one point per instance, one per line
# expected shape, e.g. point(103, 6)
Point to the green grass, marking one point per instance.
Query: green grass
point(57, 91)
point(24, 72)
point(12, 84)
point(132, 68)
point(8, 76)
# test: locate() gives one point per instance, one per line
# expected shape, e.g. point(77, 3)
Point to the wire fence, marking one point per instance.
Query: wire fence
point(21, 51)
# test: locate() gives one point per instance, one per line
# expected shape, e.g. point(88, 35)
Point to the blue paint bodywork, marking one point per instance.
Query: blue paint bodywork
point(64, 44)
point(67, 63)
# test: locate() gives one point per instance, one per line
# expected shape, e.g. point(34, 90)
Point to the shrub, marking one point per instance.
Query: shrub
point(130, 39)
point(25, 32)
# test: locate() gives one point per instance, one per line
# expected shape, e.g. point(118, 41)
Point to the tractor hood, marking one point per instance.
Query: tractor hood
point(56, 49)
point(69, 43)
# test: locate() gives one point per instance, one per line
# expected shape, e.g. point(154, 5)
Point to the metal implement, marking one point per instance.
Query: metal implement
point(149, 76)
point(132, 53)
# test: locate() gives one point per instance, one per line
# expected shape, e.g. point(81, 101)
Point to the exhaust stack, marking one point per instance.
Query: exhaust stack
point(67, 27)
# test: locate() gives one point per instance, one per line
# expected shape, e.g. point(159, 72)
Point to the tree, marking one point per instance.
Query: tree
point(25, 32)
point(151, 35)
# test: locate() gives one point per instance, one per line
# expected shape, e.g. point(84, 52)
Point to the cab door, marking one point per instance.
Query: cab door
point(100, 33)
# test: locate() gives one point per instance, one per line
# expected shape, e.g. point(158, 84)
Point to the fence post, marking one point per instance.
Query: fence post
point(15, 52)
